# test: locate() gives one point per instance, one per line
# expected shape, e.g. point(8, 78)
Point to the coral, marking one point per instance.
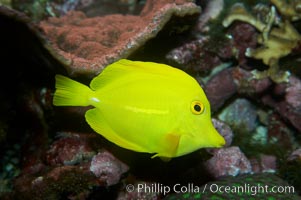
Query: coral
point(86, 45)
point(107, 168)
point(228, 161)
point(69, 150)
point(275, 35)
point(289, 9)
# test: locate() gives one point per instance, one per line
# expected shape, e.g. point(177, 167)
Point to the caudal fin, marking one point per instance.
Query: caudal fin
point(70, 93)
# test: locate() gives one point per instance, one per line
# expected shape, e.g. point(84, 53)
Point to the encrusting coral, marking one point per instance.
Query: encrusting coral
point(85, 45)
point(278, 36)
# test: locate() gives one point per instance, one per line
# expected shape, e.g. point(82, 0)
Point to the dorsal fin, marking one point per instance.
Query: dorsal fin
point(125, 67)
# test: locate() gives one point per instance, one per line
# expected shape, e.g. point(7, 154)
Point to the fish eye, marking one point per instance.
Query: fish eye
point(197, 107)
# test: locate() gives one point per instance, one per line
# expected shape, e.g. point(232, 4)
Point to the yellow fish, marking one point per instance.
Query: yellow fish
point(144, 107)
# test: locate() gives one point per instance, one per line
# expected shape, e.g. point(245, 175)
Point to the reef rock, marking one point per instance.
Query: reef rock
point(228, 161)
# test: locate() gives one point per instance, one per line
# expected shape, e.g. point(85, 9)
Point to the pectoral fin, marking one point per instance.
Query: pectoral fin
point(170, 146)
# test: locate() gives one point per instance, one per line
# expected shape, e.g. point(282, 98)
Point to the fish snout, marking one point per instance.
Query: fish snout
point(216, 139)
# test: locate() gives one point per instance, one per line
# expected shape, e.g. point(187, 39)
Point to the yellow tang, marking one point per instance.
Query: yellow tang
point(144, 107)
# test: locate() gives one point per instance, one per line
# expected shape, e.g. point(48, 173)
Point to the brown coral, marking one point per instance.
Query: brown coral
point(277, 39)
point(289, 9)
point(87, 45)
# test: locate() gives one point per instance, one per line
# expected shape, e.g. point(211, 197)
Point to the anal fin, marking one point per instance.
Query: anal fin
point(96, 120)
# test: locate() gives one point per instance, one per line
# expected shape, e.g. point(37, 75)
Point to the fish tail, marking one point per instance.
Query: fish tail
point(71, 93)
